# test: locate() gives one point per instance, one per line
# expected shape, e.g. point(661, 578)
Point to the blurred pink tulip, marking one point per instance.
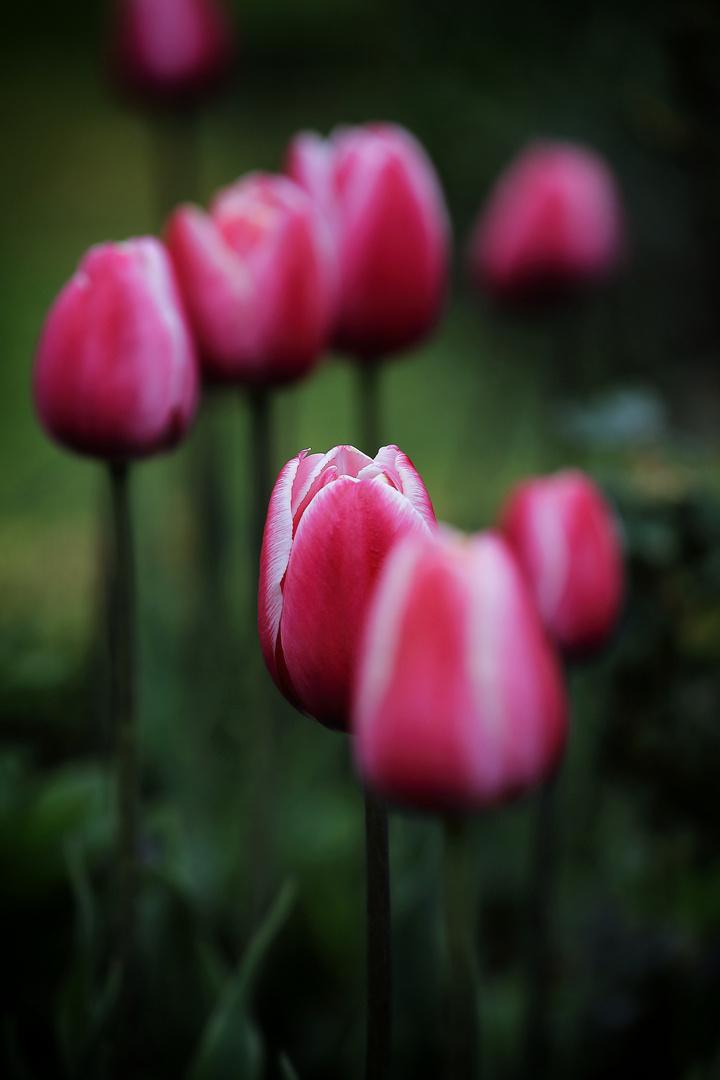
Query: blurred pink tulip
point(116, 371)
point(553, 224)
point(170, 50)
point(382, 198)
point(565, 536)
point(258, 276)
point(332, 520)
point(460, 702)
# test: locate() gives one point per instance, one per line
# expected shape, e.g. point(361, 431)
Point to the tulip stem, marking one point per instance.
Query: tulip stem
point(176, 135)
point(539, 942)
point(462, 1017)
point(369, 397)
point(379, 949)
point(121, 628)
point(262, 467)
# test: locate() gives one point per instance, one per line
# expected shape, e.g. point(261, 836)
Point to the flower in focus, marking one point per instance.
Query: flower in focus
point(170, 50)
point(552, 225)
point(381, 196)
point(332, 520)
point(116, 371)
point(566, 538)
point(460, 702)
point(258, 276)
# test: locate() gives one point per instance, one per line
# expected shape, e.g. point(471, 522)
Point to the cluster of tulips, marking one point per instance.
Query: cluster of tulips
point(441, 654)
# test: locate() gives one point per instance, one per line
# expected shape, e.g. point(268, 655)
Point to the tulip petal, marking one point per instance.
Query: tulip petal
point(274, 558)
point(340, 544)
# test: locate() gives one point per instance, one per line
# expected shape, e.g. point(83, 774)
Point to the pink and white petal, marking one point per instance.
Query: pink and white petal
point(413, 738)
point(276, 548)
point(340, 545)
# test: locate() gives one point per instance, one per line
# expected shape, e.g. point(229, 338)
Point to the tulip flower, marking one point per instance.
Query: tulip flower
point(565, 537)
point(116, 369)
point(116, 378)
point(381, 196)
point(170, 50)
point(460, 703)
point(257, 274)
point(332, 521)
point(552, 225)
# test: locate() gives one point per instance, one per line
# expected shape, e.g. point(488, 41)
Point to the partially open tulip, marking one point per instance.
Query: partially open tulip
point(170, 50)
point(553, 225)
point(332, 520)
point(460, 702)
point(566, 538)
point(258, 276)
point(116, 369)
point(380, 194)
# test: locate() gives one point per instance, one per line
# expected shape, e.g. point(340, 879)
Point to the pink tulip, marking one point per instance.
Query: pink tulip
point(564, 535)
point(116, 371)
point(258, 277)
point(381, 196)
point(170, 49)
point(553, 224)
point(460, 702)
point(332, 520)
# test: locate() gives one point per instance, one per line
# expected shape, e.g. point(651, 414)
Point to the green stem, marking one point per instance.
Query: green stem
point(369, 406)
point(463, 1025)
point(176, 139)
point(123, 717)
point(262, 478)
point(379, 948)
point(539, 944)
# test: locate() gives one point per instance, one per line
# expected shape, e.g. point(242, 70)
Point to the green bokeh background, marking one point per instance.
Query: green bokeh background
point(635, 978)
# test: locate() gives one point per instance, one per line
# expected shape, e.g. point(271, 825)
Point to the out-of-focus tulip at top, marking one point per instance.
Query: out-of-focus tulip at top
point(553, 225)
point(332, 521)
point(259, 278)
point(116, 368)
point(460, 703)
point(170, 50)
point(566, 538)
point(381, 195)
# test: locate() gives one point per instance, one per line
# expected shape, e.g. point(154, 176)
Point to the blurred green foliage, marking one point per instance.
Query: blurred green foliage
point(238, 791)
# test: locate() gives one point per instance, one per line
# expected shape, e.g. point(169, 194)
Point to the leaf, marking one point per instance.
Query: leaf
point(231, 1046)
point(287, 1069)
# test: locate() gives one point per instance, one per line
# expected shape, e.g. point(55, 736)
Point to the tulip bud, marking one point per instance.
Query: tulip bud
point(553, 225)
point(258, 277)
point(170, 50)
point(332, 520)
point(381, 196)
point(116, 370)
point(460, 702)
point(565, 537)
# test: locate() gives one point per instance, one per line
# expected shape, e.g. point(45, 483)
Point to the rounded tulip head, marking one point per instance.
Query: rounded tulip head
point(381, 196)
point(258, 276)
point(565, 537)
point(116, 370)
point(170, 50)
point(332, 520)
point(553, 225)
point(460, 703)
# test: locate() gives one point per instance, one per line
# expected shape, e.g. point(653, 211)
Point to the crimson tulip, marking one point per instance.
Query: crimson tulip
point(553, 224)
point(116, 370)
point(379, 192)
point(258, 277)
point(332, 520)
point(566, 538)
point(460, 702)
point(170, 50)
